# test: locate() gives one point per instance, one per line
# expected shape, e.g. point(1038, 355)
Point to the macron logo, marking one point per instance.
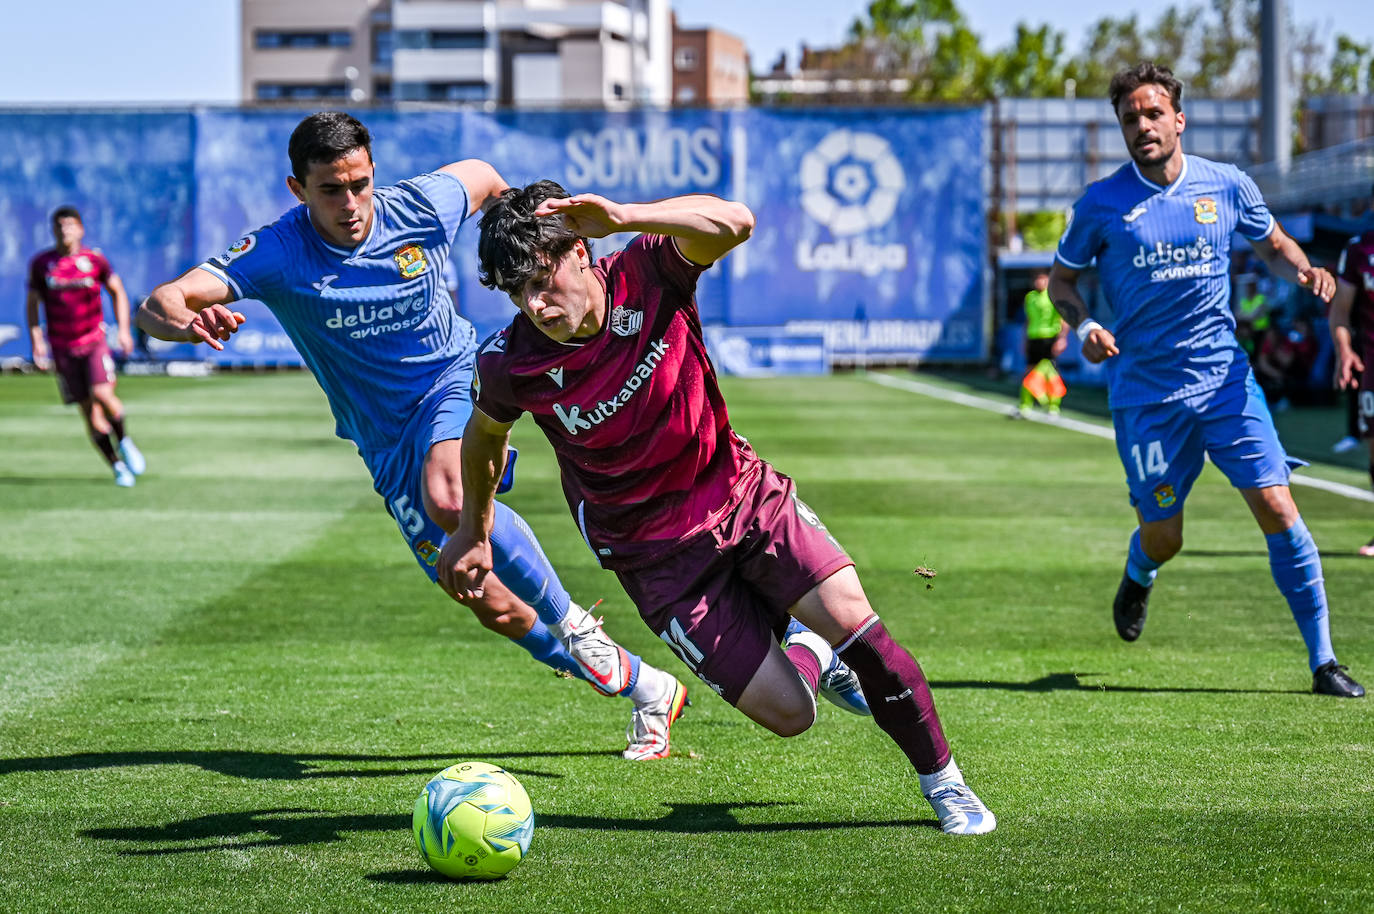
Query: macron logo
point(575, 419)
point(556, 374)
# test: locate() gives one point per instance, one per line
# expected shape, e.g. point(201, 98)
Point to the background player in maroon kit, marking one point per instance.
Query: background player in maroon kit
point(711, 543)
point(1352, 328)
point(66, 279)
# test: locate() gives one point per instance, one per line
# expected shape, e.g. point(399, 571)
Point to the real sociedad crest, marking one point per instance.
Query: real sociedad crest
point(625, 322)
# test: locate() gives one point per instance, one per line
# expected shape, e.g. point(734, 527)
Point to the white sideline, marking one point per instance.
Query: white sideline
point(1087, 428)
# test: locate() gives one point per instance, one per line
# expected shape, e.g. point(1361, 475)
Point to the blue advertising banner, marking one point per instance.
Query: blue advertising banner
point(867, 216)
point(760, 352)
point(870, 226)
point(129, 174)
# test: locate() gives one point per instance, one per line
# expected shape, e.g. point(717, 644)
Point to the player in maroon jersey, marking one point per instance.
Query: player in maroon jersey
point(66, 279)
point(712, 544)
point(1352, 328)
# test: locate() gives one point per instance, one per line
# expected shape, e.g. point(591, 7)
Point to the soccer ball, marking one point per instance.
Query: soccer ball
point(473, 821)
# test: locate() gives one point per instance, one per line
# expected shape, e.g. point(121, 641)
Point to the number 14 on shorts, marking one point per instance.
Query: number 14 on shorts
point(1153, 463)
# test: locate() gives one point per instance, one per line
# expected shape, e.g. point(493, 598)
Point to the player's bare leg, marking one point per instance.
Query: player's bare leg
point(1152, 544)
point(898, 694)
point(1297, 569)
point(98, 430)
point(113, 408)
point(1368, 548)
point(658, 697)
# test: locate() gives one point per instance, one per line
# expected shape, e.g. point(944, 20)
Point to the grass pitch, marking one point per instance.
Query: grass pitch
point(223, 689)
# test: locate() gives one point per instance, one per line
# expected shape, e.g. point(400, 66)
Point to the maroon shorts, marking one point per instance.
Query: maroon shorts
point(1365, 418)
point(80, 369)
point(721, 599)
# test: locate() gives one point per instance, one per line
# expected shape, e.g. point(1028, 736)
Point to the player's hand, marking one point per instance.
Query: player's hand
point(463, 566)
point(590, 215)
point(214, 324)
point(41, 362)
point(1318, 281)
point(1349, 367)
point(126, 343)
point(1100, 345)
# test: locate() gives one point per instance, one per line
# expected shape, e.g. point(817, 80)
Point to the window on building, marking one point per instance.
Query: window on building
point(265, 40)
point(685, 59)
point(686, 94)
point(618, 90)
point(439, 40)
point(439, 91)
point(271, 92)
point(383, 46)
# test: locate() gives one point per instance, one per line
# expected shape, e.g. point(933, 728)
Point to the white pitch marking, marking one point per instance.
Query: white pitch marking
point(1087, 428)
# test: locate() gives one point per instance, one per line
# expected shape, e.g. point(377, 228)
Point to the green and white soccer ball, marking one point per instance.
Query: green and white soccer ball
point(473, 821)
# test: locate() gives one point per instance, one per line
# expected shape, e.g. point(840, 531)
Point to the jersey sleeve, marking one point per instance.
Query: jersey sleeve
point(1253, 219)
point(252, 266)
point(1345, 266)
point(491, 391)
point(36, 283)
point(1082, 237)
point(103, 270)
point(662, 252)
point(449, 197)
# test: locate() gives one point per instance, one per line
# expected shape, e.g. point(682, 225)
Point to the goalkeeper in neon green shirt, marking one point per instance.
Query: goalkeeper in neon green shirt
point(1045, 340)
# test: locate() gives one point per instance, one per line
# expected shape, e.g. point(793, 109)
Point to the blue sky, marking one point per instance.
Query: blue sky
point(167, 51)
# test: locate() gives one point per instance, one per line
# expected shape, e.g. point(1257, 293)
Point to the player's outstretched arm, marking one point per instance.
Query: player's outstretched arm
point(465, 559)
point(1098, 342)
point(115, 286)
point(483, 182)
point(36, 338)
point(706, 227)
point(1349, 366)
point(191, 309)
point(1284, 258)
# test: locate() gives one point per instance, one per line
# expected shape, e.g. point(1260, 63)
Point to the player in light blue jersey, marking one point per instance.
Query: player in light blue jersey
point(355, 275)
point(1180, 385)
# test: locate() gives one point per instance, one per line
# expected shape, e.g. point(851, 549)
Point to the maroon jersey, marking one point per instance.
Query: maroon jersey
point(634, 414)
point(1356, 267)
point(70, 287)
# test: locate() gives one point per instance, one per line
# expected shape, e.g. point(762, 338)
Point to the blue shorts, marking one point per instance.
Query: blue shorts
point(1163, 445)
point(398, 473)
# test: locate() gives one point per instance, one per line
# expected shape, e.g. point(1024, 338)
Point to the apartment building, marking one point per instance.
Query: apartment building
point(710, 67)
point(535, 53)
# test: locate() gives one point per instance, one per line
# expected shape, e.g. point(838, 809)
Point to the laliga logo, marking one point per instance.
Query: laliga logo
point(851, 183)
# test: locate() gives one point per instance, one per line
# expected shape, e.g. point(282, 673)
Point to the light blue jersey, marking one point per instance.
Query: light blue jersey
point(375, 324)
point(1163, 254)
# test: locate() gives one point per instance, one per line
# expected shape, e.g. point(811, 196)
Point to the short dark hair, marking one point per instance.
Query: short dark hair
point(513, 244)
point(326, 136)
point(1146, 73)
point(66, 212)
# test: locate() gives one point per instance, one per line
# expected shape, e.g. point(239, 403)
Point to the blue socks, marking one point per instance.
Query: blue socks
point(520, 564)
point(548, 650)
point(1297, 570)
point(1140, 566)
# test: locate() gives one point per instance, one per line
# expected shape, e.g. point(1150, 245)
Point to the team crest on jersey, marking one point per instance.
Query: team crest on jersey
point(83, 263)
point(1205, 210)
point(625, 322)
point(411, 261)
point(1164, 495)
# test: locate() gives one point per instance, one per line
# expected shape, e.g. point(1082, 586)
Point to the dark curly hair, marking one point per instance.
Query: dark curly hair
point(1146, 73)
point(513, 244)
